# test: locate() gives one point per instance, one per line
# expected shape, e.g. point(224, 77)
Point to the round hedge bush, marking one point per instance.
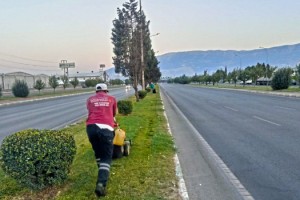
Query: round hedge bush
point(148, 89)
point(124, 107)
point(38, 158)
point(142, 94)
point(20, 89)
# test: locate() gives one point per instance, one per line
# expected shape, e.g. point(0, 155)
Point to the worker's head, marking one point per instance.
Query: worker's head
point(101, 87)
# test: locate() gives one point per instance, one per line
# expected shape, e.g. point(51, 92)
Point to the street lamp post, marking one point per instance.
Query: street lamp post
point(267, 63)
point(142, 48)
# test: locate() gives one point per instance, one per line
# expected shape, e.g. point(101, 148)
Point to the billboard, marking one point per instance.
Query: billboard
point(66, 65)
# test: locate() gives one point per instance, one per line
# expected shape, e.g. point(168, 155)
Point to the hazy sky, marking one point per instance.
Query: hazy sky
point(80, 30)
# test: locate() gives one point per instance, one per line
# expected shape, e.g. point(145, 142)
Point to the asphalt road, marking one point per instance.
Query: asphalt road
point(257, 136)
point(54, 113)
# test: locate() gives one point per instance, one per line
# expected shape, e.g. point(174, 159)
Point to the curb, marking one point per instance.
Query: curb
point(182, 187)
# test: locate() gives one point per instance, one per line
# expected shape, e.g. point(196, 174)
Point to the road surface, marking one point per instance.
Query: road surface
point(54, 113)
point(257, 136)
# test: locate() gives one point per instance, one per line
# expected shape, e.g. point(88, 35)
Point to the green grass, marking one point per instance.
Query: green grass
point(147, 173)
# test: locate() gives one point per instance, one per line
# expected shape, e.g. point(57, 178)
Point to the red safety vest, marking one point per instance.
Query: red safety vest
point(102, 108)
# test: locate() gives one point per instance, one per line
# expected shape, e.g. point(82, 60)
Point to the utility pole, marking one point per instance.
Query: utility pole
point(142, 48)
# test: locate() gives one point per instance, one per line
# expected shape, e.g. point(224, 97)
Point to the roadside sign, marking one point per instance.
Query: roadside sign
point(66, 65)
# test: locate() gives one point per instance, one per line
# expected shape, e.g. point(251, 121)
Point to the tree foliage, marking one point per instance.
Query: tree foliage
point(281, 79)
point(93, 82)
point(152, 71)
point(53, 82)
point(129, 28)
point(116, 82)
point(298, 73)
point(65, 81)
point(20, 88)
point(39, 85)
point(74, 82)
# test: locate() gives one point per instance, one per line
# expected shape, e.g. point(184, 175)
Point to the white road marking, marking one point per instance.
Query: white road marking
point(270, 122)
point(235, 110)
point(286, 108)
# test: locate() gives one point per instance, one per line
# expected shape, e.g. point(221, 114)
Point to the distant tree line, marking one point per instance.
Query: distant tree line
point(280, 78)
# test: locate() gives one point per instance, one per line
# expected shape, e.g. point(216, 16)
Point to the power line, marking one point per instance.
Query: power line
point(25, 63)
point(21, 68)
point(45, 61)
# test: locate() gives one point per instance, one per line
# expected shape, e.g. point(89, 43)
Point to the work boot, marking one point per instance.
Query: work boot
point(100, 190)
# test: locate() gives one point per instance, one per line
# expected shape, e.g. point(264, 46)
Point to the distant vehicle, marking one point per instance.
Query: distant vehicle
point(249, 82)
point(127, 87)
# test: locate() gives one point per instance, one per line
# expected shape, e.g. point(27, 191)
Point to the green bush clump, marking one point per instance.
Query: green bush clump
point(93, 82)
point(38, 158)
point(148, 89)
point(281, 79)
point(20, 89)
point(125, 107)
point(142, 94)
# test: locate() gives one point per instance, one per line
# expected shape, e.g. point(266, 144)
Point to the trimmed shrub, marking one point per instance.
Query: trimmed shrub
point(125, 107)
point(142, 94)
point(38, 158)
point(281, 79)
point(148, 89)
point(20, 89)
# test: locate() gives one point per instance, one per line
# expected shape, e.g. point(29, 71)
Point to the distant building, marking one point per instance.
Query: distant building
point(264, 81)
point(7, 80)
point(91, 75)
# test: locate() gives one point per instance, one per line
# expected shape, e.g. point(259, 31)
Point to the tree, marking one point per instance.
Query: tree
point(65, 81)
point(116, 82)
point(74, 82)
point(128, 82)
point(152, 71)
point(298, 73)
point(128, 29)
point(53, 82)
point(235, 75)
point(39, 85)
point(243, 75)
point(281, 79)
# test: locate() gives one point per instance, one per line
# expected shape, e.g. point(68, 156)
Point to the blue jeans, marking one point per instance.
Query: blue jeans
point(102, 143)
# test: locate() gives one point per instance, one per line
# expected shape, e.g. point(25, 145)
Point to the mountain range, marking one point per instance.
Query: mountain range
point(196, 62)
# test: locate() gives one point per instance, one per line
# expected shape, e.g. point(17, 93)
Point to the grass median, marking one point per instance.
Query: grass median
point(147, 173)
point(249, 87)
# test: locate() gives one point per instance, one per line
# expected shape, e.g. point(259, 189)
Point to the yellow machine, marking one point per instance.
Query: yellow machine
point(121, 145)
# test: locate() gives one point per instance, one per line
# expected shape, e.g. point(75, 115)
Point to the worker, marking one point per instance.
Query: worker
point(100, 124)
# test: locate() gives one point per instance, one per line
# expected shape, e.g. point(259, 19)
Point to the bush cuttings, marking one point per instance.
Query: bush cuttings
point(148, 89)
point(142, 94)
point(281, 79)
point(20, 89)
point(125, 107)
point(38, 158)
